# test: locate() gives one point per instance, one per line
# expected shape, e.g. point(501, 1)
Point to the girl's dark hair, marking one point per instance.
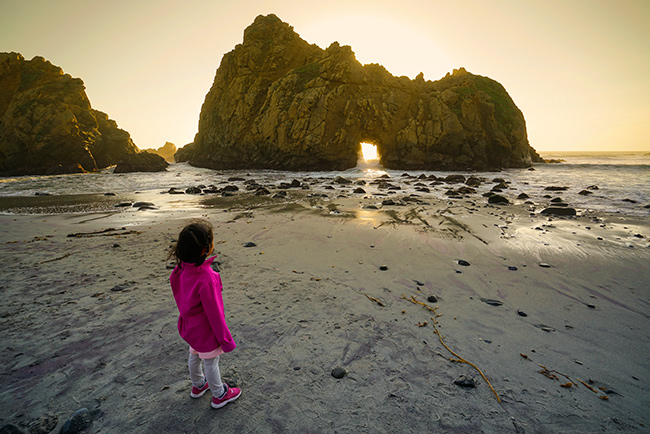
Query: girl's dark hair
point(192, 241)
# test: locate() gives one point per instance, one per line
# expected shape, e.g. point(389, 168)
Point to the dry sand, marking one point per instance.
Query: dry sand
point(90, 322)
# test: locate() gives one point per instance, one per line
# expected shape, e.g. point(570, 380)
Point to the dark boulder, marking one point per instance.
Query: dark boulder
point(559, 211)
point(141, 162)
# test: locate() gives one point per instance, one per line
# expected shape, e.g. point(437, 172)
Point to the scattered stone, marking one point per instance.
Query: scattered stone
point(119, 288)
point(544, 265)
point(342, 181)
point(141, 204)
point(463, 263)
point(544, 327)
point(523, 196)
point(593, 187)
point(42, 193)
point(491, 302)
point(557, 199)
point(230, 188)
point(173, 190)
point(464, 381)
point(339, 372)
point(591, 306)
point(359, 190)
point(193, 190)
point(556, 188)
point(559, 211)
point(235, 178)
point(629, 200)
point(250, 244)
point(262, 192)
point(585, 193)
point(116, 245)
point(79, 421)
point(432, 299)
point(451, 179)
point(498, 199)
point(110, 194)
point(512, 268)
point(388, 202)
point(418, 283)
point(521, 313)
point(124, 204)
point(383, 268)
point(638, 236)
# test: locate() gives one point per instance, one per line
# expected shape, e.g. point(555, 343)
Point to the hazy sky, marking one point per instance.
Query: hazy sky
point(578, 69)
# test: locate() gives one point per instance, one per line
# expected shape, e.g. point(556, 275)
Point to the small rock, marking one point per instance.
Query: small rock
point(109, 194)
point(545, 327)
point(556, 188)
point(123, 204)
point(235, 178)
point(194, 190)
point(342, 181)
point(143, 204)
point(523, 196)
point(559, 210)
point(498, 199)
point(388, 202)
point(491, 302)
point(116, 245)
point(339, 372)
point(591, 306)
point(544, 265)
point(521, 313)
point(359, 190)
point(418, 283)
point(432, 299)
point(512, 268)
point(250, 244)
point(464, 381)
point(463, 263)
point(78, 422)
point(119, 288)
point(383, 268)
point(585, 193)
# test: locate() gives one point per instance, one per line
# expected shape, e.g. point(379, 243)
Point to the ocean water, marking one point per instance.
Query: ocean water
point(623, 181)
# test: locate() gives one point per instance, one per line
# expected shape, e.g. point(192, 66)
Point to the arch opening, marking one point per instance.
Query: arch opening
point(369, 157)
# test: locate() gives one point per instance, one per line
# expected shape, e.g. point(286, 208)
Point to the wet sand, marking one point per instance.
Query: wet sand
point(88, 321)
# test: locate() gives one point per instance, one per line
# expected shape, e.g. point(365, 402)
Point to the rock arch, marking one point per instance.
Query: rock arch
point(278, 102)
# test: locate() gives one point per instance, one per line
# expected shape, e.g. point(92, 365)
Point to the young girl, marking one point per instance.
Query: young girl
point(197, 291)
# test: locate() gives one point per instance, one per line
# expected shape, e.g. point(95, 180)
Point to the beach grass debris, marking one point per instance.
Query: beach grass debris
point(553, 375)
point(458, 359)
point(376, 300)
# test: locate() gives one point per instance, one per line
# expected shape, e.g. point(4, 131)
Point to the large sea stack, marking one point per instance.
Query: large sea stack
point(47, 125)
point(278, 102)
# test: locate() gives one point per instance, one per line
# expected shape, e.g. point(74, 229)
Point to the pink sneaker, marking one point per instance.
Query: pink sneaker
point(231, 394)
point(198, 392)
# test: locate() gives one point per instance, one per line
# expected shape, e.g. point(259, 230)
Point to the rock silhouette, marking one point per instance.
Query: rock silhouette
point(278, 102)
point(47, 125)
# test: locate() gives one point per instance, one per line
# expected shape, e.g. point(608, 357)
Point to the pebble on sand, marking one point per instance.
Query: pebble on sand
point(383, 268)
point(339, 372)
point(544, 265)
point(463, 263)
point(464, 381)
point(432, 299)
point(250, 244)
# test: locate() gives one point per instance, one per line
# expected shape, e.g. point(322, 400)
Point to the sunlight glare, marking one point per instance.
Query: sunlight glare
point(369, 151)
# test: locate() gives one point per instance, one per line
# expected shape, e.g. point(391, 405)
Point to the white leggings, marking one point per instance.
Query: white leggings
point(212, 374)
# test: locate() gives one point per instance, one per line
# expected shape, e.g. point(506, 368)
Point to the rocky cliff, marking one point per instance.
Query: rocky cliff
point(279, 102)
point(166, 151)
point(47, 125)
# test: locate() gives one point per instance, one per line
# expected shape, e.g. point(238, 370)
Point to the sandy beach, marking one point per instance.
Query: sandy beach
point(553, 311)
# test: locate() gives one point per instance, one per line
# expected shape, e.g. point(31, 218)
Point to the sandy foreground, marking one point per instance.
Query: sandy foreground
point(89, 321)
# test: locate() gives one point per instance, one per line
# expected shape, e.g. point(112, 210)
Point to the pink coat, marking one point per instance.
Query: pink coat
point(197, 291)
